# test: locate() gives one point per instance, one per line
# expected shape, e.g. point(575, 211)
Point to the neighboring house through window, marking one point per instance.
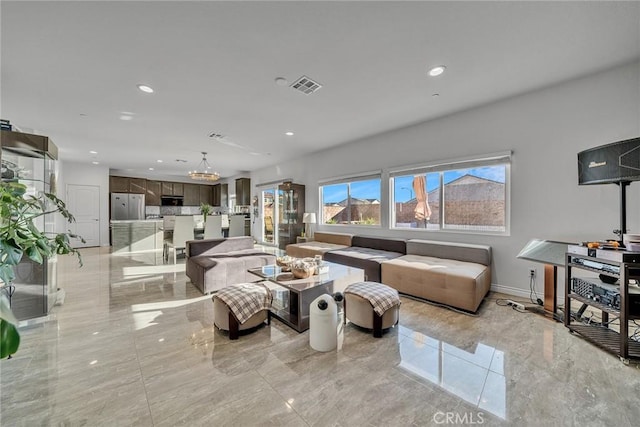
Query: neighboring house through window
point(466, 195)
point(355, 201)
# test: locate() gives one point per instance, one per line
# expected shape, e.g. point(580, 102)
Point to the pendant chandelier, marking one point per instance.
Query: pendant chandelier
point(204, 171)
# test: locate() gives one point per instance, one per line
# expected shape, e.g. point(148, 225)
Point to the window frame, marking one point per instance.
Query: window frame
point(348, 180)
point(441, 167)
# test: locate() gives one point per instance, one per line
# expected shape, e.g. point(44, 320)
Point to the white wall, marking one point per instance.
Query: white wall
point(83, 174)
point(545, 130)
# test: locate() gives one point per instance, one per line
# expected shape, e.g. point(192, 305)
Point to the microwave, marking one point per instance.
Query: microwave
point(171, 200)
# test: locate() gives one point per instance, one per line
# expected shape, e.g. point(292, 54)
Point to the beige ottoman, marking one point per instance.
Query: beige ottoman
point(240, 307)
point(371, 305)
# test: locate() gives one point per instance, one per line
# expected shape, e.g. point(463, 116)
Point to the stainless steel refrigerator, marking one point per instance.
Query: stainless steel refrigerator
point(126, 206)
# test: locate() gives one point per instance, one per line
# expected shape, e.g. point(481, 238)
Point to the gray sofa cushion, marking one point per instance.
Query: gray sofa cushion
point(479, 254)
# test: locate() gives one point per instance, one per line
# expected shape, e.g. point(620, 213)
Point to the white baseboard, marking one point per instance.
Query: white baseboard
point(522, 293)
point(509, 290)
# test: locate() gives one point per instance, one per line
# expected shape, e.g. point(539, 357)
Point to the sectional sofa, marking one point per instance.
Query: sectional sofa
point(369, 254)
point(321, 243)
point(215, 263)
point(454, 274)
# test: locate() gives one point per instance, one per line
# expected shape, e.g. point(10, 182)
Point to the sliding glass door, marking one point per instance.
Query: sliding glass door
point(269, 216)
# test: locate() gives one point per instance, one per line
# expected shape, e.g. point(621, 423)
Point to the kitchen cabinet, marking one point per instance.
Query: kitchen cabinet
point(220, 195)
point(119, 184)
point(191, 194)
point(154, 191)
point(215, 195)
point(137, 185)
point(243, 192)
point(206, 194)
point(167, 188)
point(615, 266)
point(178, 189)
point(224, 195)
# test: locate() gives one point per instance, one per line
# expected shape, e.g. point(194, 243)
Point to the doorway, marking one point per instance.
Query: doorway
point(269, 216)
point(84, 204)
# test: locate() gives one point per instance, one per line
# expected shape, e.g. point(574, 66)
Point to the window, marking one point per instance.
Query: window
point(463, 196)
point(355, 202)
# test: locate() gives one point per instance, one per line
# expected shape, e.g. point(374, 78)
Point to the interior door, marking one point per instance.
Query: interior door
point(83, 201)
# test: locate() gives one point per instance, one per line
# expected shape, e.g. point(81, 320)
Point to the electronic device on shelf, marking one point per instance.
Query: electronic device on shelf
point(605, 293)
point(605, 255)
point(597, 265)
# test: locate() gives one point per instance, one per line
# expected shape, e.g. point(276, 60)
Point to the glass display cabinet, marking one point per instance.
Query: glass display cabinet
point(32, 161)
point(290, 212)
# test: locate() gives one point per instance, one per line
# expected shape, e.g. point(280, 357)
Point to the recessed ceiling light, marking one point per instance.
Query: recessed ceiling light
point(151, 169)
point(435, 95)
point(93, 152)
point(145, 88)
point(281, 81)
point(289, 133)
point(159, 161)
point(126, 118)
point(436, 71)
point(96, 163)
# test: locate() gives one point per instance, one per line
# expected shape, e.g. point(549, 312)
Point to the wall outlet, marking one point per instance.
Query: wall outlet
point(532, 273)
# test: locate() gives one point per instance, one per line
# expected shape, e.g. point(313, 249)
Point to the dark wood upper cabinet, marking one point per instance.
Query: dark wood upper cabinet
point(118, 184)
point(243, 191)
point(224, 195)
point(167, 188)
point(194, 194)
point(154, 191)
point(191, 194)
point(215, 199)
point(178, 189)
point(137, 185)
point(206, 194)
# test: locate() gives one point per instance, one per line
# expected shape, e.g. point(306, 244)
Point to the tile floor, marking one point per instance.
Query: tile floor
point(134, 344)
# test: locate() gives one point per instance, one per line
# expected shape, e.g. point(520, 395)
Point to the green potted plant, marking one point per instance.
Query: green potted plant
point(19, 236)
point(205, 209)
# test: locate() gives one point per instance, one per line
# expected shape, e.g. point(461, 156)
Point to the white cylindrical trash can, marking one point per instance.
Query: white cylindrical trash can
point(323, 323)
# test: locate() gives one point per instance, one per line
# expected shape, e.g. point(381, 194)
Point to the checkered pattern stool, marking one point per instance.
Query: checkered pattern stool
point(371, 305)
point(240, 307)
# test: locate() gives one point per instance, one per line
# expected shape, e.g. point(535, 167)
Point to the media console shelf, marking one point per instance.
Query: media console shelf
point(591, 291)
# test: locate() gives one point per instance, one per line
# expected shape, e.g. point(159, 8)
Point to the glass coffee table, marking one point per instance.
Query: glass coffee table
point(291, 296)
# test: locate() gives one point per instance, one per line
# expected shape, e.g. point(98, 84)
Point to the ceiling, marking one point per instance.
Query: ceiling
point(69, 70)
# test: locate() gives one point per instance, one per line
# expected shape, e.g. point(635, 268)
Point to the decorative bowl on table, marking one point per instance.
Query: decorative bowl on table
point(303, 269)
point(284, 262)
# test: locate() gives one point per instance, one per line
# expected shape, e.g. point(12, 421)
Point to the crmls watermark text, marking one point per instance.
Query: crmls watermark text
point(466, 418)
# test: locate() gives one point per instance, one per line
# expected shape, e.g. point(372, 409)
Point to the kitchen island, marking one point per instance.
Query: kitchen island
point(136, 235)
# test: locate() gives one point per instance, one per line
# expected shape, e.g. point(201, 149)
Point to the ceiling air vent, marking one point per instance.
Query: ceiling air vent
point(215, 135)
point(305, 85)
